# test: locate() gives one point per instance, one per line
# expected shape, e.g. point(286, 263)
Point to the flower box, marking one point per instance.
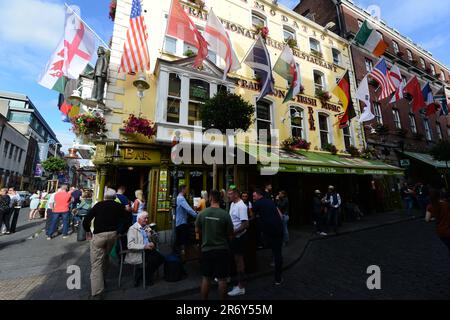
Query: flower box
point(139, 125)
point(89, 124)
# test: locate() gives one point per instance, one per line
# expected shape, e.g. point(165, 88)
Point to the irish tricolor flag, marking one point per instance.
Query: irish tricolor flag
point(289, 70)
point(369, 38)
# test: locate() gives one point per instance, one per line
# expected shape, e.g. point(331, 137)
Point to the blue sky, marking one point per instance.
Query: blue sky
point(31, 29)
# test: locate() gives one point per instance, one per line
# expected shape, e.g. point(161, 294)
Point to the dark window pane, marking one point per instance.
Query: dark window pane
point(198, 90)
point(173, 110)
point(174, 85)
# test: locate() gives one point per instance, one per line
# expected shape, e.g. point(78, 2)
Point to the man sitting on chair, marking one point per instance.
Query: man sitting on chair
point(139, 238)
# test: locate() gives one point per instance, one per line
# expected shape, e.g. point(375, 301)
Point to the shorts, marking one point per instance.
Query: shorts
point(238, 245)
point(216, 264)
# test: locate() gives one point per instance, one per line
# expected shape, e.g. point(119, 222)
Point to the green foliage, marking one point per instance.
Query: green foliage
point(369, 154)
point(227, 111)
point(441, 151)
point(354, 152)
point(53, 165)
point(330, 148)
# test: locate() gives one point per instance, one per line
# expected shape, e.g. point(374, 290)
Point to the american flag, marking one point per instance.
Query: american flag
point(381, 74)
point(135, 53)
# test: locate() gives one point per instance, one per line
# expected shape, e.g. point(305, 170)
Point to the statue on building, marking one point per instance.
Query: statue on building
point(100, 75)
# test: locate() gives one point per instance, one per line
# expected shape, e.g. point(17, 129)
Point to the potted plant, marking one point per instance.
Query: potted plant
point(369, 154)
point(112, 9)
point(263, 30)
point(414, 62)
point(89, 124)
point(331, 148)
point(292, 43)
point(295, 143)
point(199, 3)
point(354, 152)
point(317, 54)
point(323, 96)
point(258, 78)
point(139, 125)
point(189, 53)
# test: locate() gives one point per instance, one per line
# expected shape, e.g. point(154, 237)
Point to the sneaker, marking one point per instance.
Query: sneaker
point(323, 234)
point(65, 237)
point(216, 280)
point(49, 238)
point(278, 283)
point(236, 292)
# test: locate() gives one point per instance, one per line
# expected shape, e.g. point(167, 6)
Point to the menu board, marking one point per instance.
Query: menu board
point(163, 201)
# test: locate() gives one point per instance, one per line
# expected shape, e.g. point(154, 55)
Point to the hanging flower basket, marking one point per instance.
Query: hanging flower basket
point(323, 96)
point(295, 143)
point(112, 9)
point(89, 124)
point(263, 30)
point(292, 43)
point(331, 148)
point(139, 125)
point(354, 152)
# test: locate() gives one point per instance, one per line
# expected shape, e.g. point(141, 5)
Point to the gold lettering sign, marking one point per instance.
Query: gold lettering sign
point(133, 154)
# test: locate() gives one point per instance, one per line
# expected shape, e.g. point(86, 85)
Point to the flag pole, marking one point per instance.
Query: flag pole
point(98, 37)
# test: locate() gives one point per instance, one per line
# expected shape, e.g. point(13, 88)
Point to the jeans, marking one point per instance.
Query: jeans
point(54, 222)
point(15, 217)
point(276, 244)
point(333, 218)
point(5, 217)
point(285, 220)
point(408, 205)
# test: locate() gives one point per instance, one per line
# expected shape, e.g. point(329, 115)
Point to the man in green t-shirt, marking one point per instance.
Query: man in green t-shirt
point(216, 229)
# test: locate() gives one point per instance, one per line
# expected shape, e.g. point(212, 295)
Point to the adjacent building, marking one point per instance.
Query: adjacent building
point(400, 136)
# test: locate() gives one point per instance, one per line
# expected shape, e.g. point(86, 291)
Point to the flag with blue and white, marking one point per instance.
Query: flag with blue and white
point(441, 98)
point(258, 59)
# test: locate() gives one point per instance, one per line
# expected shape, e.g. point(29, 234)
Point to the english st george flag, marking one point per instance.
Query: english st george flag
point(342, 91)
point(289, 70)
point(135, 56)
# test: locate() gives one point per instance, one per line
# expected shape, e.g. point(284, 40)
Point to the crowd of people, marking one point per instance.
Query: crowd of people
point(10, 205)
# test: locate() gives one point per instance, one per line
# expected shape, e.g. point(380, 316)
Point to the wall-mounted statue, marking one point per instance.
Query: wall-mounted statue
point(100, 75)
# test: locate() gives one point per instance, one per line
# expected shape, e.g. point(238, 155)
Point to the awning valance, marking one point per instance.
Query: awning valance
point(428, 159)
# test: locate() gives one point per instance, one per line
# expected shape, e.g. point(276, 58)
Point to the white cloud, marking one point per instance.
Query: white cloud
point(32, 23)
point(66, 138)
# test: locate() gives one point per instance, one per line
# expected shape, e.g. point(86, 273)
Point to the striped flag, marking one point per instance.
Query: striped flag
point(381, 74)
point(370, 39)
point(342, 91)
point(441, 98)
point(135, 52)
point(395, 76)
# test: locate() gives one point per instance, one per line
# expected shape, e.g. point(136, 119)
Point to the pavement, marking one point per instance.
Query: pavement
point(34, 268)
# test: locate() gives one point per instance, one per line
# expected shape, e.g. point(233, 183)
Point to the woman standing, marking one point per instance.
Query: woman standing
point(34, 205)
point(138, 205)
point(283, 207)
point(203, 203)
point(439, 209)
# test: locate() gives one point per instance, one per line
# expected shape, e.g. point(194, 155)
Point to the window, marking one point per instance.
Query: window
point(258, 20)
point(16, 153)
point(170, 45)
point(423, 63)
point(409, 54)
point(17, 104)
point(433, 69)
point(404, 81)
point(323, 127)
point(443, 75)
point(397, 122)
point(21, 117)
point(439, 131)
point(319, 81)
point(377, 112)
point(369, 65)
point(428, 134)
point(263, 119)
point(297, 123)
point(11, 151)
point(5, 149)
point(288, 33)
point(381, 35)
point(395, 46)
point(412, 123)
point(198, 93)
point(174, 99)
point(314, 45)
point(336, 56)
point(20, 155)
point(347, 137)
point(360, 23)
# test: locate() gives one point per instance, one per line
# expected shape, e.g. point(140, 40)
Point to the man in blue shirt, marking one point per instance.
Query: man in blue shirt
point(181, 215)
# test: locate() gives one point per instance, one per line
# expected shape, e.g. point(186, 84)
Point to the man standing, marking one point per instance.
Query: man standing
point(239, 217)
point(15, 208)
point(333, 202)
point(76, 195)
point(423, 197)
point(61, 208)
point(4, 209)
point(122, 198)
point(182, 228)
point(407, 196)
point(272, 228)
point(216, 228)
point(268, 192)
point(109, 216)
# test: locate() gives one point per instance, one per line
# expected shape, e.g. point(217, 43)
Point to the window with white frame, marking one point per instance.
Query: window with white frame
point(288, 33)
point(381, 35)
point(264, 119)
point(423, 63)
point(377, 113)
point(409, 54)
point(297, 122)
point(404, 81)
point(319, 81)
point(360, 23)
point(170, 45)
point(315, 46)
point(347, 137)
point(174, 98)
point(369, 65)
point(443, 75)
point(439, 131)
point(412, 123)
point(396, 47)
point(397, 121)
point(5, 148)
point(324, 130)
point(336, 56)
point(433, 69)
point(428, 134)
point(258, 20)
point(198, 93)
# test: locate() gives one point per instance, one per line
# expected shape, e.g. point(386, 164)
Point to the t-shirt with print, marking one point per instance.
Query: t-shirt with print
point(216, 226)
point(238, 213)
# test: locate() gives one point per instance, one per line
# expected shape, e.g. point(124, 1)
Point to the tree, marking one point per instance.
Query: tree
point(53, 165)
point(441, 152)
point(227, 111)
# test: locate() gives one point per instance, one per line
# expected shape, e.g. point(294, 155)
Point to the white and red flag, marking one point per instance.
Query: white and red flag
point(395, 77)
point(220, 42)
point(135, 56)
point(180, 26)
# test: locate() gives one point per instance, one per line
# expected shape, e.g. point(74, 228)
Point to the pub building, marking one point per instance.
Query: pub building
point(400, 136)
point(177, 89)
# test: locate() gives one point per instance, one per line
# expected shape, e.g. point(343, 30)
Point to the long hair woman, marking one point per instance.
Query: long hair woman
point(138, 205)
point(34, 205)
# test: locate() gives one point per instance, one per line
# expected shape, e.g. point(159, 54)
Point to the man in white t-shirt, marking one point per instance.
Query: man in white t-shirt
point(239, 217)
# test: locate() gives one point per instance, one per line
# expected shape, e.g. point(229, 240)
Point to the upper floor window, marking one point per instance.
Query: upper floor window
point(315, 46)
point(397, 122)
point(297, 122)
point(409, 54)
point(380, 34)
point(319, 81)
point(174, 98)
point(21, 117)
point(377, 112)
point(170, 45)
point(324, 130)
point(369, 65)
point(443, 75)
point(198, 93)
point(17, 104)
point(263, 119)
point(433, 69)
point(439, 131)
point(396, 47)
point(258, 20)
point(336, 56)
point(412, 123)
point(5, 149)
point(16, 153)
point(347, 137)
point(11, 151)
point(360, 23)
point(428, 134)
point(423, 63)
point(288, 34)
point(20, 155)
point(404, 81)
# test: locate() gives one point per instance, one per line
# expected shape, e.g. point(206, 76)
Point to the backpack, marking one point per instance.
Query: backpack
point(173, 269)
point(4, 204)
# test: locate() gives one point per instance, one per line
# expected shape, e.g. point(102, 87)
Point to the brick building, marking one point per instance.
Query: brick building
point(396, 133)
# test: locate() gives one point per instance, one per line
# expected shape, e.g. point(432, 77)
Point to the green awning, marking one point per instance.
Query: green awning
point(428, 159)
point(279, 160)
